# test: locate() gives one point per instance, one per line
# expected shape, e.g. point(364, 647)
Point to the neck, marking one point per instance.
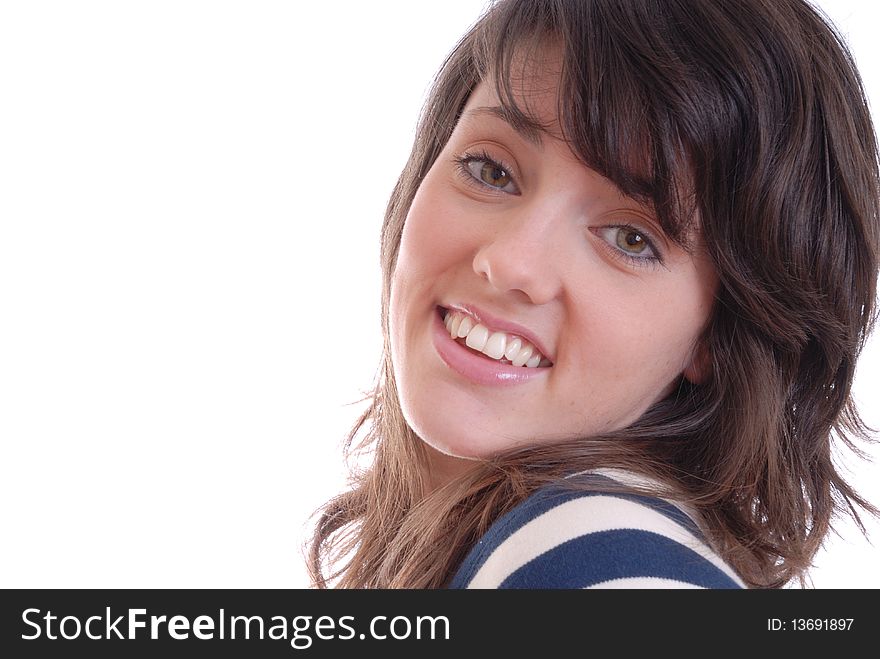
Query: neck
point(445, 468)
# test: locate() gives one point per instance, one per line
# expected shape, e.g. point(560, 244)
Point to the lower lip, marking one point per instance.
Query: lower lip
point(471, 366)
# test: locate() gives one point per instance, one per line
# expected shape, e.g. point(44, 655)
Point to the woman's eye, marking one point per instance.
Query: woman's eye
point(630, 243)
point(488, 172)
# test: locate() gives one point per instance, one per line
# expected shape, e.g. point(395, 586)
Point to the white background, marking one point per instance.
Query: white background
point(190, 201)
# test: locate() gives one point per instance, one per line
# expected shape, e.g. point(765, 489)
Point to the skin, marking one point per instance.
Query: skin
point(532, 238)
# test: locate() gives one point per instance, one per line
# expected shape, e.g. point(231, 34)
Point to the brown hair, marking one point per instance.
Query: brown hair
point(756, 110)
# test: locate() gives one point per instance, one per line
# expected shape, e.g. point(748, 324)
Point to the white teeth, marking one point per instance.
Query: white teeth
point(454, 324)
point(477, 338)
point(524, 354)
point(513, 348)
point(497, 345)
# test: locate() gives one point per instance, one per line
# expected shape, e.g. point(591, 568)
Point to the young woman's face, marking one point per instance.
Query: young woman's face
point(536, 259)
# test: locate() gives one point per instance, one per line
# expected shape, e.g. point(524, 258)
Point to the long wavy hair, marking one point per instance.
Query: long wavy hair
point(751, 116)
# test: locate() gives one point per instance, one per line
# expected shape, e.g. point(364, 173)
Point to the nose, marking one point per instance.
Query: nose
point(523, 257)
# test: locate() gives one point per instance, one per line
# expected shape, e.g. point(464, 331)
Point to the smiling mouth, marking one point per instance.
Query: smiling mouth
point(502, 347)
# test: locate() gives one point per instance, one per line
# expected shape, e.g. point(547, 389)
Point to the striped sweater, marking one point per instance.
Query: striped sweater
point(581, 539)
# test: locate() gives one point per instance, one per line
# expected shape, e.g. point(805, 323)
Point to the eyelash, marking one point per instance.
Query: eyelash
point(464, 171)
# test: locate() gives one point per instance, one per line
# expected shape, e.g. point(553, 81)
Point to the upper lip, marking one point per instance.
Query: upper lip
point(496, 323)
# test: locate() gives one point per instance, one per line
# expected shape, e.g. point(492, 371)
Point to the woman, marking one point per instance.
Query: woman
point(628, 270)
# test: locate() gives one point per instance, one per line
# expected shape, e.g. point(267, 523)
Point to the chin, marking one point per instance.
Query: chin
point(454, 450)
point(436, 433)
point(465, 445)
point(451, 445)
point(456, 454)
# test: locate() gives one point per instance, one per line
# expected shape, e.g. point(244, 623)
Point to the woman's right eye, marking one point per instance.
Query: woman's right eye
point(485, 171)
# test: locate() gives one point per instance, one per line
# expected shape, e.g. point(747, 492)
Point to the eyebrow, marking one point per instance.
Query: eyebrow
point(527, 128)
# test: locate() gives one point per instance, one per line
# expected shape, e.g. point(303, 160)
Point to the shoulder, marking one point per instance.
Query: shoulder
point(567, 538)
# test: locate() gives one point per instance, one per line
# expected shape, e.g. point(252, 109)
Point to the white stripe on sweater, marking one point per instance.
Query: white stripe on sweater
point(579, 517)
point(645, 583)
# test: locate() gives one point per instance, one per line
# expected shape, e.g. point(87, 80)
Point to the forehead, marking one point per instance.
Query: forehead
point(529, 93)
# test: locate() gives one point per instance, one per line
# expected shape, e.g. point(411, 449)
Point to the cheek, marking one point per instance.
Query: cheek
point(424, 225)
point(636, 342)
point(439, 231)
point(416, 262)
point(429, 250)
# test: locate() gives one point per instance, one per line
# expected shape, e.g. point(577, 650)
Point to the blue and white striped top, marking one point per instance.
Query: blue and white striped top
point(564, 538)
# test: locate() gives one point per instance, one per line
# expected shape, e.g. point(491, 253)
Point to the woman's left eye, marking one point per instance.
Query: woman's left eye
point(630, 243)
point(485, 171)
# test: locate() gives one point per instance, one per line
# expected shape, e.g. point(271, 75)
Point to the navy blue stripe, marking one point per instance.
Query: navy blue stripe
point(546, 499)
point(618, 554)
